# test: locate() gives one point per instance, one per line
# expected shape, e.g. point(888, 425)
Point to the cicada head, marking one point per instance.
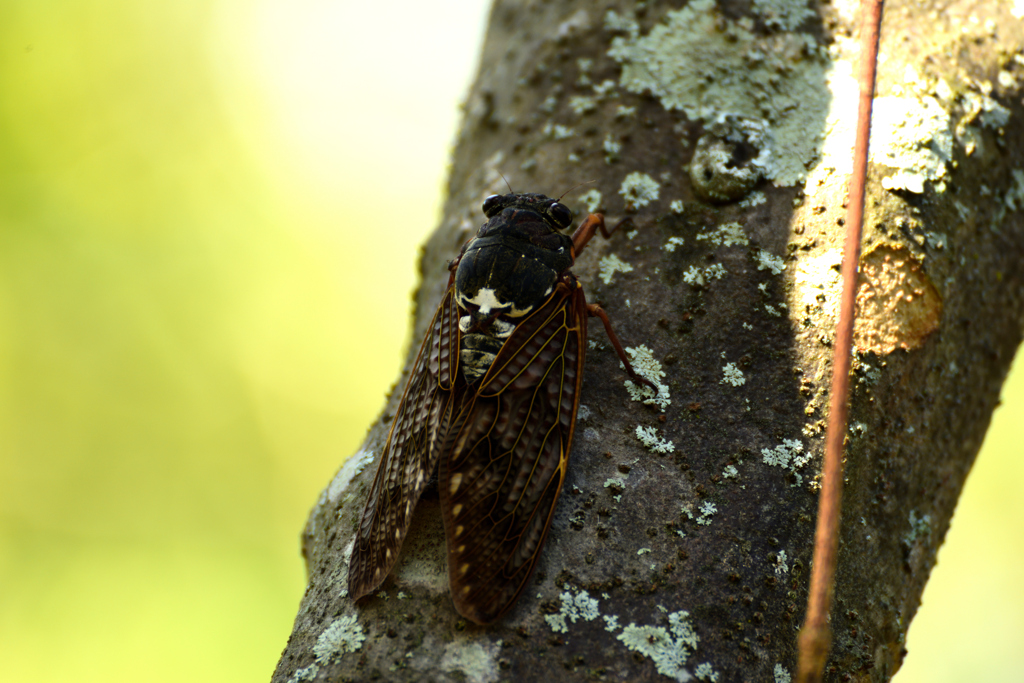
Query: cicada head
point(556, 214)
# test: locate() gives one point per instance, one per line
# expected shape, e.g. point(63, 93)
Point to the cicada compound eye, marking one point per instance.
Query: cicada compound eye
point(560, 214)
point(491, 205)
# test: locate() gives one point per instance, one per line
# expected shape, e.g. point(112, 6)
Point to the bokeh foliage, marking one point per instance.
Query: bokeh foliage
point(205, 269)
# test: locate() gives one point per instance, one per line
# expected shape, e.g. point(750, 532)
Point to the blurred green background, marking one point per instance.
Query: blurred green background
point(210, 213)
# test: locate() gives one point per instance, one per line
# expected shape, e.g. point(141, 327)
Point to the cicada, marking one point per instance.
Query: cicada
point(490, 407)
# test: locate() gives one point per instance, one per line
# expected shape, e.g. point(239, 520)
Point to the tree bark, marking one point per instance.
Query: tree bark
point(724, 133)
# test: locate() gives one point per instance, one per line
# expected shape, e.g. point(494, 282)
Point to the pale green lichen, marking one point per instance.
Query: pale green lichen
point(639, 189)
point(584, 64)
point(716, 271)
point(672, 243)
point(647, 366)
point(911, 131)
point(702, 276)
point(1014, 197)
point(725, 235)
point(705, 672)
point(755, 199)
point(730, 472)
point(769, 261)
point(920, 527)
point(702, 63)
point(732, 375)
point(613, 21)
point(477, 661)
point(781, 675)
point(582, 104)
point(694, 276)
point(611, 622)
point(786, 14)
point(980, 106)
point(591, 199)
point(648, 436)
point(609, 265)
point(573, 608)
point(914, 136)
point(611, 148)
point(669, 649)
point(781, 564)
point(788, 455)
point(676, 206)
point(306, 674)
point(707, 511)
point(558, 131)
point(605, 89)
point(342, 636)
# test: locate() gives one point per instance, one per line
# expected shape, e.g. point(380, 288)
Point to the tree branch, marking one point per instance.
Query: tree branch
point(682, 542)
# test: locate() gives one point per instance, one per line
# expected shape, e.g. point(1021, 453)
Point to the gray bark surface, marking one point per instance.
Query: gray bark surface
point(739, 282)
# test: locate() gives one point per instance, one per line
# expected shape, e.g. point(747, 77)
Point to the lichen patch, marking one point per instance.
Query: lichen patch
point(732, 375)
point(769, 261)
point(898, 307)
point(648, 436)
point(787, 14)
point(573, 608)
point(591, 199)
point(609, 265)
point(476, 660)
point(669, 649)
point(342, 636)
point(725, 235)
point(647, 366)
point(639, 189)
point(914, 136)
point(709, 67)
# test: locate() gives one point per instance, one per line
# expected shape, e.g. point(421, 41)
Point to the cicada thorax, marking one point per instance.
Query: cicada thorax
point(505, 273)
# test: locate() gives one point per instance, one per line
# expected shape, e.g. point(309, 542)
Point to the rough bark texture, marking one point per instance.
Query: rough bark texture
point(733, 287)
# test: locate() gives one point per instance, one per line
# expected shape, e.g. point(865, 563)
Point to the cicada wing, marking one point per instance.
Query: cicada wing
point(507, 456)
point(410, 453)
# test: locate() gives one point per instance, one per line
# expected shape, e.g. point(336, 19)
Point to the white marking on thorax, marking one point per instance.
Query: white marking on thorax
point(487, 300)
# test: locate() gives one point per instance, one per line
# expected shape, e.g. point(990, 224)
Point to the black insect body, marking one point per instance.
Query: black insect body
point(491, 404)
point(509, 268)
